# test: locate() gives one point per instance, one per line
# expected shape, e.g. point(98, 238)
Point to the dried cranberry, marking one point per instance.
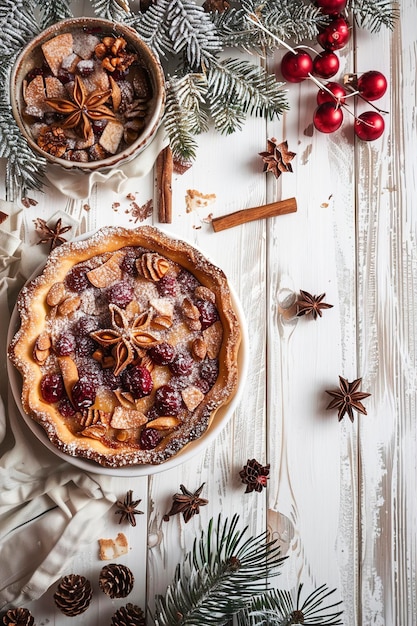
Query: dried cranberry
point(162, 353)
point(167, 286)
point(65, 408)
point(120, 294)
point(85, 325)
point(138, 381)
point(187, 281)
point(168, 400)
point(77, 280)
point(208, 313)
point(85, 345)
point(128, 263)
point(65, 344)
point(202, 385)
point(65, 76)
point(83, 394)
point(149, 438)
point(110, 380)
point(52, 388)
point(182, 365)
point(209, 371)
point(36, 71)
point(98, 126)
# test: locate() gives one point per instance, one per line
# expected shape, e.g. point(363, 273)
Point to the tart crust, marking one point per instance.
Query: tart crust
point(37, 317)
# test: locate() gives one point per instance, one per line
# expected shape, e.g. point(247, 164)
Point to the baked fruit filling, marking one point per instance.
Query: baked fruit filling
point(128, 345)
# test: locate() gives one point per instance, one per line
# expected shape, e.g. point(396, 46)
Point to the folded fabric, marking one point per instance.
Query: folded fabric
point(78, 185)
point(49, 509)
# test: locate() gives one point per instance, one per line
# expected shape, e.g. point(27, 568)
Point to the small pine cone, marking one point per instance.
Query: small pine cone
point(19, 617)
point(129, 615)
point(73, 595)
point(116, 580)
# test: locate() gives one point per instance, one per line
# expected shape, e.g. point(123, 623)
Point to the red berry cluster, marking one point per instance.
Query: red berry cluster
point(297, 65)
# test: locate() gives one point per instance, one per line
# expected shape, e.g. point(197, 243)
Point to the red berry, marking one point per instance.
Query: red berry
point(328, 117)
point(168, 400)
point(120, 294)
point(208, 313)
point(182, 365)
point(65, 408)
point(162, 354)
point(85, 345)
point(52, 388)
point(83, 393)
point(335, 35)
point(167, 286)
point(331, 7)
point(326, 64)
point(369, 126)
point(338, 91)
point(296, 66)
point(149, 438)
point(209, 371)
point(85, 325)
point(128, 263)
point(138, 380)
point(372, 85)
point(77, 280)
point(187, 281)
point(65, 344)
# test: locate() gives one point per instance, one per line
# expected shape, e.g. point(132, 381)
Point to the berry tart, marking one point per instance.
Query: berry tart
point(127, 346)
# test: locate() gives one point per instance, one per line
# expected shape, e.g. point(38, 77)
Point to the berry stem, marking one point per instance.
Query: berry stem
point(358, 93)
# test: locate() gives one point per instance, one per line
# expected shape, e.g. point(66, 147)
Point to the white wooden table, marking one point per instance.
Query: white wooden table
point(341, 497)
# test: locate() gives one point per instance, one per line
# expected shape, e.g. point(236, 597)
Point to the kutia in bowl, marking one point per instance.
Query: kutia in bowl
point(88, 93)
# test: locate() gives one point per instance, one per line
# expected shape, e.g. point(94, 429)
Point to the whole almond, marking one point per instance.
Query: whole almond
point(56, 294)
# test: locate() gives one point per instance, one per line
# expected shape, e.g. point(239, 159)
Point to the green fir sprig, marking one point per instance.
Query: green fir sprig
point(227, 575)
point(219, 577)
point(203, 89)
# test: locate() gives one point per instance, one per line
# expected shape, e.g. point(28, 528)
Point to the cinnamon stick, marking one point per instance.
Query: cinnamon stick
point(273, 209)
point(164, 169)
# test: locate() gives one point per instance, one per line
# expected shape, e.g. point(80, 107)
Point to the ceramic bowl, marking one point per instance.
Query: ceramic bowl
point(32, 57)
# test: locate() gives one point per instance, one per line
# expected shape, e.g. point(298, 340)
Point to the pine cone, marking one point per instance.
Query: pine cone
point(129, 615)
point(19, 617)
point(116, 580)
point(73, 595)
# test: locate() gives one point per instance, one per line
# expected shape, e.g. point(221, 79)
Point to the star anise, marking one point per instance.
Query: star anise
point(348, 398)
point(126, 337)
point(127, 509)
point(187, 503)
point(307, 304)
point(49, 234)
point(85, 107)
point(277, 157)
point(254, 475)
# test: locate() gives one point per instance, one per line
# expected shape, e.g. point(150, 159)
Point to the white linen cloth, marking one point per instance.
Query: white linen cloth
point(49, 509)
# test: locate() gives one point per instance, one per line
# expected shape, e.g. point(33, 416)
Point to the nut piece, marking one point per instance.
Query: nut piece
point(152, 265)
point(69, 305)
point(164, 423)
point(110, 549)
point(96, 431)
point(42, 347)
point(191, 314)
point(124, 418)
point(91, 416)
point(56, 294)
point(108, 273)
point(213, 336)
point(204, 293)
point(192, 397)
point(199, 348)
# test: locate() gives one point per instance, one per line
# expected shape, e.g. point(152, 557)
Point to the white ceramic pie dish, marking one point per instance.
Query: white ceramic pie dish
point(220, 419)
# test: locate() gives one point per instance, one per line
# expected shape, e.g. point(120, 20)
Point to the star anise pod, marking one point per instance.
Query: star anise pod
point(126, 337)
point(307, 304)
point(49, 234)
point(277, 157)
point(187, 503)
point(348, 398)
point(254, 475)
point(127, 509)
point(85, 107)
